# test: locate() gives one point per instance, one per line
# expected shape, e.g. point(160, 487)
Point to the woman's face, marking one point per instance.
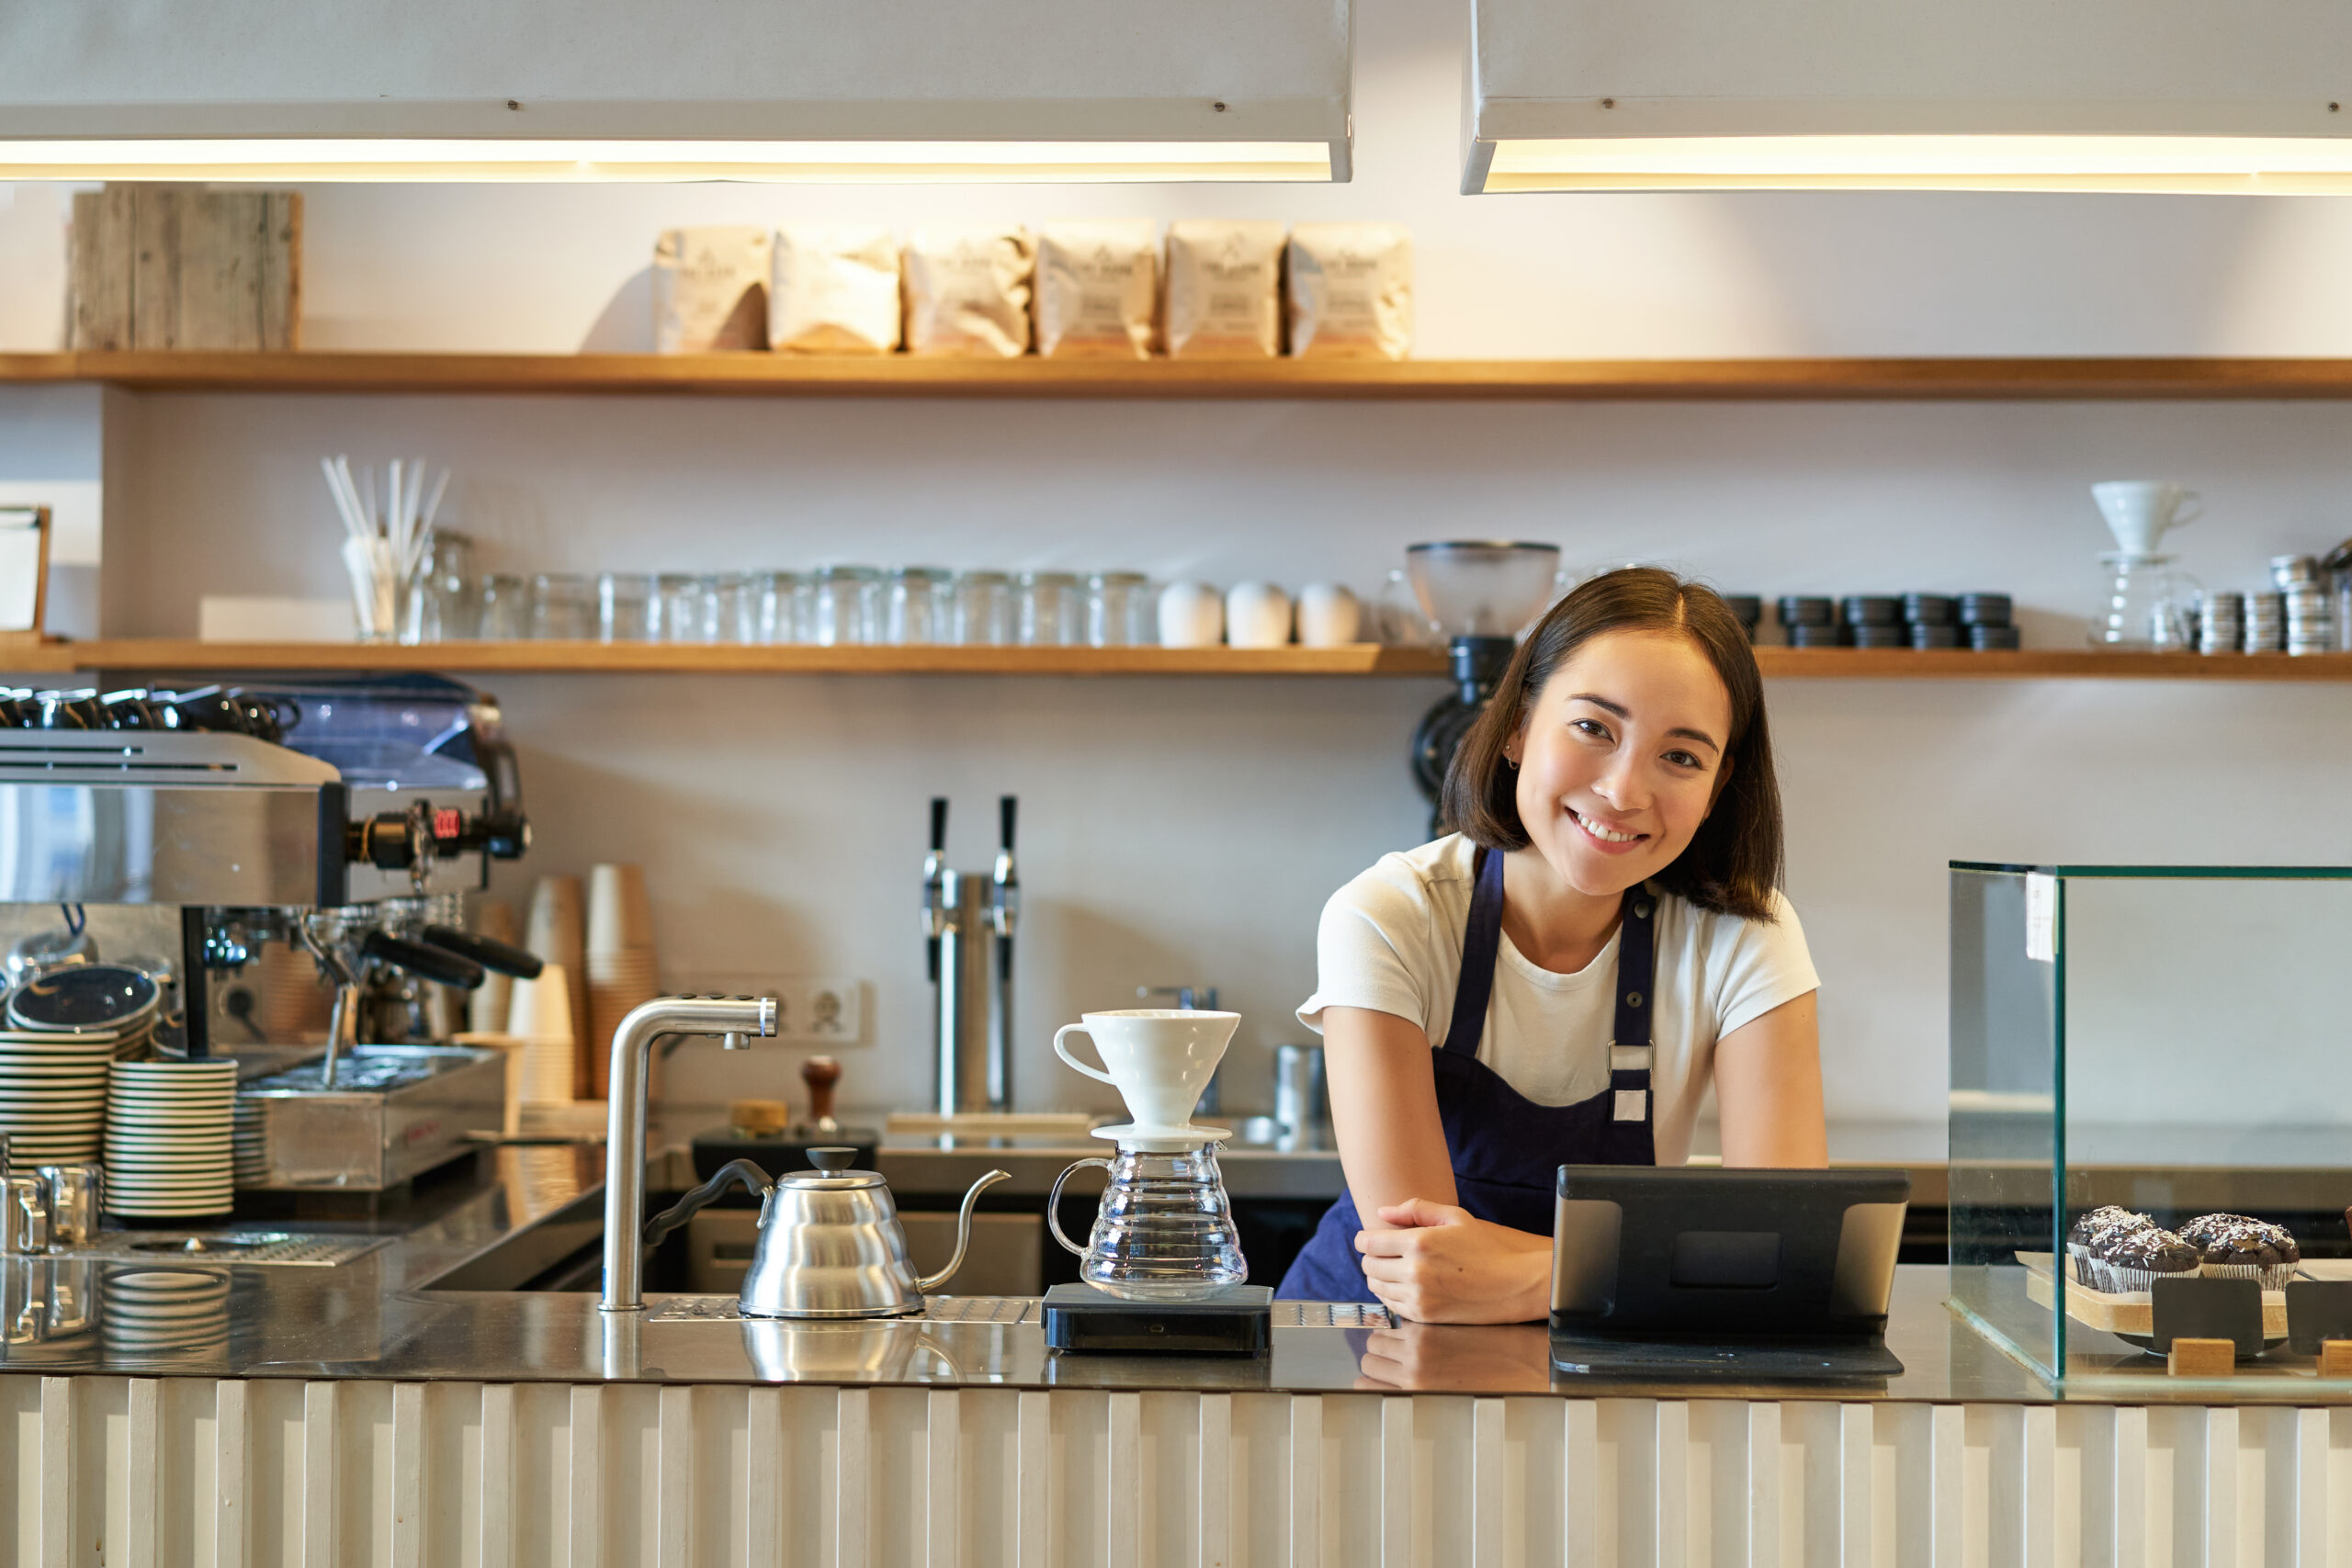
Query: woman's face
point(1621, 757)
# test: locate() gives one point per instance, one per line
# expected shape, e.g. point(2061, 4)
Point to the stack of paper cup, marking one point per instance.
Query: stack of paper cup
point(295, 1002)
point(557, 935)
point(542, 1018)
point(487, 1007)
point(621, 961)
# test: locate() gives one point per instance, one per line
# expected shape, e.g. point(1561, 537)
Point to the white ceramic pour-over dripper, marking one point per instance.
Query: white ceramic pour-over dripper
point(2139, 512)
point(1159, 1059)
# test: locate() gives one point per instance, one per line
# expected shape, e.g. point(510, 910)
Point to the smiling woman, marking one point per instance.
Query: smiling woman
point(1601, 938)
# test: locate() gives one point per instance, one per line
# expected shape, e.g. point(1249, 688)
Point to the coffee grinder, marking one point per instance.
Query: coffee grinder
point(1478, 596)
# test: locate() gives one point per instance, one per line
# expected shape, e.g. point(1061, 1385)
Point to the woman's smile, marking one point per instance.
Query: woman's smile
point(1607, 839)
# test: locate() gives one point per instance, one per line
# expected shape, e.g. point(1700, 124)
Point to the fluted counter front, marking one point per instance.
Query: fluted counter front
point(364, 1412)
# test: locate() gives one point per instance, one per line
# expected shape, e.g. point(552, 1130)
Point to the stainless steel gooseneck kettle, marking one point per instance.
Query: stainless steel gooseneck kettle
point(831, 1245)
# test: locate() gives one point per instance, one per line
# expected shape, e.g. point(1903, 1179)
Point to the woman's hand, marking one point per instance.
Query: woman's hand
point(1440, 1264)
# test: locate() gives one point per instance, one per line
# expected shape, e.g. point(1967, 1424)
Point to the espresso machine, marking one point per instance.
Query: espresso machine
point(332, 825)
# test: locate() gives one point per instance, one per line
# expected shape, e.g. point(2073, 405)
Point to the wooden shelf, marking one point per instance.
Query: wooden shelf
point(168, 655)
point(770, 374)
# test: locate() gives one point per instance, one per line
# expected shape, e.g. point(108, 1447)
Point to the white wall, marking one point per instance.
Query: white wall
point(1190, 831)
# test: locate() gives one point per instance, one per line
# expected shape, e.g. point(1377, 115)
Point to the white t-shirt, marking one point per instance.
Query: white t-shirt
point(1391, 942)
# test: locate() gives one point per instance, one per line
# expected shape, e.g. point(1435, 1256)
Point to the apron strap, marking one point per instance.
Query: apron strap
point(1482, 940)
point(1630, 1047)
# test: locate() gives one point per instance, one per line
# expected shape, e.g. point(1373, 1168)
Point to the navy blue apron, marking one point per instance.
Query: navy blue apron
point(1506, 1150)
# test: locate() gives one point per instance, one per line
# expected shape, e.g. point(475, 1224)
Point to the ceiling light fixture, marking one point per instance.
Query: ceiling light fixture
point(2109, 95)
point(1076, 91)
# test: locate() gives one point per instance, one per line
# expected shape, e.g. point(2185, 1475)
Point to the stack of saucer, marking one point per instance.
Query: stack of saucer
point(53, 1096)
point(173, 1312)
point(621, 961)
point(168, 1138)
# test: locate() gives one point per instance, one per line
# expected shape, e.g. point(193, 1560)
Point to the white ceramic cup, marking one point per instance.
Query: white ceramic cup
point(1192, 614)
point(1328, 616)
point(1159, 1059)
point(1257, 615)
point(2138, 512)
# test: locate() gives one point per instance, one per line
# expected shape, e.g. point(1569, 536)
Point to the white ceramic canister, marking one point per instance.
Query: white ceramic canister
point(1328, 616)
point(1257, 615)
point(1191, 616)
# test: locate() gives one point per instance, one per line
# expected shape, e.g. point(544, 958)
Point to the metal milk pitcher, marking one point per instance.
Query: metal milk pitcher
point(831, 1245)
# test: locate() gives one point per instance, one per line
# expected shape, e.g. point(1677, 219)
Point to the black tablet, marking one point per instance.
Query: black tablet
point(1691, 1257)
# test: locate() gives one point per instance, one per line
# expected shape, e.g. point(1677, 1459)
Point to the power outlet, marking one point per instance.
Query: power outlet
point(826, 1011)
point(821, 1010)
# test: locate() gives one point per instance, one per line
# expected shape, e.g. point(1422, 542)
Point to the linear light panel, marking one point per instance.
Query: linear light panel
point(2172, 96)
point(356, 158)
point(2188, 164)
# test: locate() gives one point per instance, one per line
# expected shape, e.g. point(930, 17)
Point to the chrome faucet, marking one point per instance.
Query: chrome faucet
point(736, 1019)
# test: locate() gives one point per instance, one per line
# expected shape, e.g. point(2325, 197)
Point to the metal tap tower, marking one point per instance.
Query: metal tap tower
point(969, 921)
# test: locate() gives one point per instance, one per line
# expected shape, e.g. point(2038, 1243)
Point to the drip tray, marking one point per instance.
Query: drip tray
point(1016, 1309)
point(282, 1249)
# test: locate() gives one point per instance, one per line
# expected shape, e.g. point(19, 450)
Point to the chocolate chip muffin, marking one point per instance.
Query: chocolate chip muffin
point(2238, 1246)
point(2136, 1258)
point(2094, 1231)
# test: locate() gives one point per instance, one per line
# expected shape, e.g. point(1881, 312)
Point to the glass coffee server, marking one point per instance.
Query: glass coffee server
point(2150, 1084)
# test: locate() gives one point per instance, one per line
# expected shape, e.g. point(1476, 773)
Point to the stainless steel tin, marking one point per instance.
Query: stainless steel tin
point(1301, 1107)
point(24, 1217)
point(76, 1194)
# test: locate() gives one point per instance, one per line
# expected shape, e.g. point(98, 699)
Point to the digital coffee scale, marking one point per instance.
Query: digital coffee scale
point(1236, 1321)
point(1687, 1272)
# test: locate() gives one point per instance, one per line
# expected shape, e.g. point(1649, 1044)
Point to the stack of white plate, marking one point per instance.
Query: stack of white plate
point(168, 1150)
point(53, 1096)
point(176, 1311)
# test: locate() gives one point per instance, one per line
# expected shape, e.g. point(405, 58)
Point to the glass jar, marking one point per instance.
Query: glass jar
point(1053, 610)
point(780, 607)
point(848, 608)
point(1120, 612)
point(676, 609)
point(729, 611)
point(563, 606)
point(506, 607)
point(983, 609)
point(623, 607)
point(922, 607)
point(446, 607)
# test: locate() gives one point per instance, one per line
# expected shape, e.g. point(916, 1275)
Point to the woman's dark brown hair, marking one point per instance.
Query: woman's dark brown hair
point(1732, 863)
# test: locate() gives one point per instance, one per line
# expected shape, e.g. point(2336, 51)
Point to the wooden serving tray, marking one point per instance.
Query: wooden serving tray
point(2118, 1312)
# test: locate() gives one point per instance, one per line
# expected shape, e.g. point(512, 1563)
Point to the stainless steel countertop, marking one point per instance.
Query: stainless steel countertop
point(395, 1314)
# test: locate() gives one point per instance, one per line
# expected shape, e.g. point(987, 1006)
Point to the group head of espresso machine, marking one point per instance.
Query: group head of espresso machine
point(342, 822)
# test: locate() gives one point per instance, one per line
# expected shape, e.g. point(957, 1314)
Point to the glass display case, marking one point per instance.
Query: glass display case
point(2169, 1040)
